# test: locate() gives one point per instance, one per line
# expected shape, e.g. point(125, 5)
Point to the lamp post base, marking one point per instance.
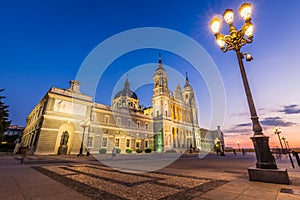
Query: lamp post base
point(266, 169)
point(80, 151)
point(265, 159)
point(279, 176)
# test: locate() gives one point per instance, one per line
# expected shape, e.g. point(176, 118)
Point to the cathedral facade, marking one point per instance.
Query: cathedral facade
point(66, 120)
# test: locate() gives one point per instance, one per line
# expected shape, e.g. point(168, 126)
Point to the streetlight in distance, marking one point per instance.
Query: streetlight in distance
point(284, 141)
point(287, 144)
point(235, 40)
point(287, 150)
point(84, 123)
point(217, 146)
point(277, 131)
point(238, 143)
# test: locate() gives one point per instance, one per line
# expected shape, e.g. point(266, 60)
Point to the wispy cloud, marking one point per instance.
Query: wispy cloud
point(240, 133)
point(276, 121)
point(291, 109)
point(243, 125)
point(267, 122)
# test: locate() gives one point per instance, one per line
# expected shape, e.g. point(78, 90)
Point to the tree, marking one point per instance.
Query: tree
point(4, 114)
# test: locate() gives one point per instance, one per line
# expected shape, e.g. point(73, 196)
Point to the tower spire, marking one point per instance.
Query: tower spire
point(159, 58)
point(186, 78)
point(126, 85)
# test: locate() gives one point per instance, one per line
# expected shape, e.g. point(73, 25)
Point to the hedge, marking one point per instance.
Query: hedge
point(148, 150)
point(139, 150)
point(102, 151)
point(128, 150)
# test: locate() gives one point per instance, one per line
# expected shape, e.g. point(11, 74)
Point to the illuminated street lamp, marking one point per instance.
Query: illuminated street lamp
point(238, 143)
point(277, 131)
point(217, 141)
point(84, 123)
point(284, 141)
point(287, 144)
point(217, 145)
point(234, 41)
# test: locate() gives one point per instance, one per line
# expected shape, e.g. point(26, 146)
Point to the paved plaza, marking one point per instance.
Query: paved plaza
point(72, 177)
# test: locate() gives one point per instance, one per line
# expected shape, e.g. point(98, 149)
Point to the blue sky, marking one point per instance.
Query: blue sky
point(43, 44)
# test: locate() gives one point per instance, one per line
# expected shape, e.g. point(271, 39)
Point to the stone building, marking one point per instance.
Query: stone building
point(14, 130)
point(64, 117)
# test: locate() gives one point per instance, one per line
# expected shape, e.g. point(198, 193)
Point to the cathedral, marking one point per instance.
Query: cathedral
point(66, 121)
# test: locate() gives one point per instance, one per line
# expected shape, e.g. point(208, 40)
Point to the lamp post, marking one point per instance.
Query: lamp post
point(217, 145)
point(238, 143)
point(287, 143)
point(88, 144)
point(84, 123)
point(284, 141)
point(277, 131)
point(287, 149)
point(234, 41)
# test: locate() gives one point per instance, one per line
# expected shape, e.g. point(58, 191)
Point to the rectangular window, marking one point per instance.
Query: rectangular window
point(117, 142)
point(146, 126)
point(89, 141)
point(146, 144)
point(104, 142)
point(138, 124)
point(138, 143)
point(128, 143)
point(118, 121)
point(106, 119)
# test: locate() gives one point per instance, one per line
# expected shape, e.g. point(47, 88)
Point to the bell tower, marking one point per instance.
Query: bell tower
point(189, 100)
point(160, 81)
point(161, 92)
point(188, 92)
point(161, 105)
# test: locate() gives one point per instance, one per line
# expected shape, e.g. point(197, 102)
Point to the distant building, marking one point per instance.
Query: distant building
point(14, 130)
point(211, 138)
point(54, 125)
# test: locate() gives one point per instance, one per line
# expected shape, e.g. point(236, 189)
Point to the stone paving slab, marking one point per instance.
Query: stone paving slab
point(20, 182)
point(58, 177)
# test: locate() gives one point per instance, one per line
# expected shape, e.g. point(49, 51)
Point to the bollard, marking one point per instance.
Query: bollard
point(297, 158)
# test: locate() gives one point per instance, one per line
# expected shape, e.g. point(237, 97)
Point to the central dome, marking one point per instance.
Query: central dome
point(126, 91)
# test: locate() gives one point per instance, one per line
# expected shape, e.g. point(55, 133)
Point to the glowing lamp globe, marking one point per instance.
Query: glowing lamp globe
point(245, 11)
point(249, 30)
point(228, 16)
point(215, 25)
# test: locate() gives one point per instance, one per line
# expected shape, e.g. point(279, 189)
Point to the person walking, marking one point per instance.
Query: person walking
point(114, 152)
point(234, 152)
point(23, 154)
point(243, 151)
